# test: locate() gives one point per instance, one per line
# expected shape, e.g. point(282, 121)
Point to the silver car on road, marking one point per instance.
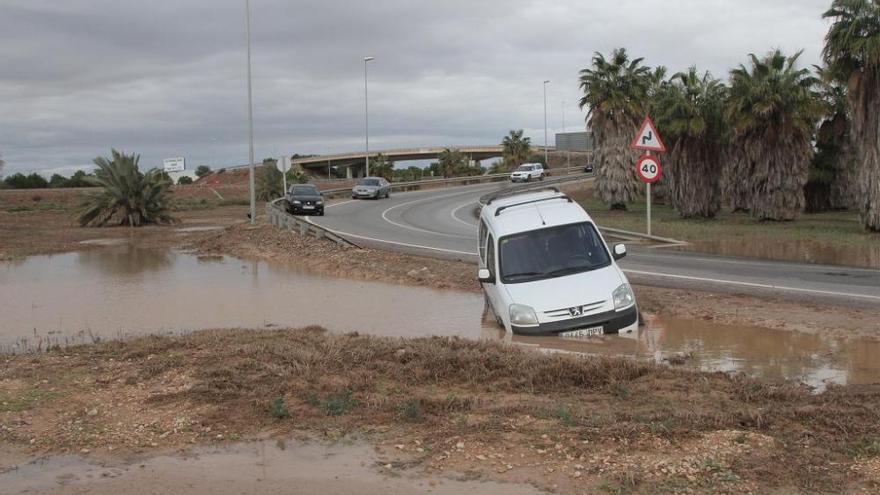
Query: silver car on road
point(371, 187)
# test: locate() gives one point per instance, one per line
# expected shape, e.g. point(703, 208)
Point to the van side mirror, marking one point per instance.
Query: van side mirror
point(485, 276)
point(619, 251)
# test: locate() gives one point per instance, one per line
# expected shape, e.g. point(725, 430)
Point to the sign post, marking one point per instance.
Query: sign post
point(648, 167)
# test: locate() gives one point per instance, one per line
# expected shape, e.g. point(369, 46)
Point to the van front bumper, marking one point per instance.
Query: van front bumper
point(610, 321)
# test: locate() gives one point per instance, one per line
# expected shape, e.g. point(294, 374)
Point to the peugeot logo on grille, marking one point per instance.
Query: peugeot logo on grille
point(576, 311)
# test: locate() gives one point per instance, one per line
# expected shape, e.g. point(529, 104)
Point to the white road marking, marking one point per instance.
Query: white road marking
point(454, 217)
point(417, 229)
point(803, 266)
point(418, 246)
point(753, 284)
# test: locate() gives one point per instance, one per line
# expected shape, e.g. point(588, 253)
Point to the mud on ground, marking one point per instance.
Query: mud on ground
point(494, 411)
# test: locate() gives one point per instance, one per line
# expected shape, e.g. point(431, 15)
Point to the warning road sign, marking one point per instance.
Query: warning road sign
point(648, 168)
point(648, 139)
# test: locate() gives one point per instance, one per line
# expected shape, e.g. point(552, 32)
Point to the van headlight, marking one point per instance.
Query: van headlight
point(297, 202)
point(523, 316)
point(320, 202)
point(623, 297)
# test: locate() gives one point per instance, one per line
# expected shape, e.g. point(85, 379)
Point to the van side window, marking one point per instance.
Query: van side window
point(490, 256)
point(482, 240)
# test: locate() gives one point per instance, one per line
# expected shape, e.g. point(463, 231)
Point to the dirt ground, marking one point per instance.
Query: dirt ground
point(565, 423)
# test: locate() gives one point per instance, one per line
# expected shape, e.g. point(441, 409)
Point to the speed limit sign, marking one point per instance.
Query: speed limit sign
point(648, 168)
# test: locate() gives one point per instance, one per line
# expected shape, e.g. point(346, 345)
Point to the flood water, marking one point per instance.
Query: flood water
point(253, 467)
point(803, 250)
point(123, 291)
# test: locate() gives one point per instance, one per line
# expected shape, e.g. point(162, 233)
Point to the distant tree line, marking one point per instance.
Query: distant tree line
point(37, 181)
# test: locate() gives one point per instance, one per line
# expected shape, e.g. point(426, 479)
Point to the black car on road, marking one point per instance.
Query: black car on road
point(302, 199)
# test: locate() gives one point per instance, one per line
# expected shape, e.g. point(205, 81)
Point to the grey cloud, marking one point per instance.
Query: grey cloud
point(166, 78)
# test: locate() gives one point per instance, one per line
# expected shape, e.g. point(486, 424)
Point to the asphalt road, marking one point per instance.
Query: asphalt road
point(441, 223)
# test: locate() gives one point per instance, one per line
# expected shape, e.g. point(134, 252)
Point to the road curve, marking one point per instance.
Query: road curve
point(441, 223)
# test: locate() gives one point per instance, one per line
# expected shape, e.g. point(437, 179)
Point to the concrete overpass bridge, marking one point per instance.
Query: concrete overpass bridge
point(355, 163)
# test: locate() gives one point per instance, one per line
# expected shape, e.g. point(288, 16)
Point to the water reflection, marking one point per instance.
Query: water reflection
point(708, 346)
point(804, 250)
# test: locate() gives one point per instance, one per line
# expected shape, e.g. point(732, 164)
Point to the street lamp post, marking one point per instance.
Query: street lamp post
point(367, 116)
point(546, 163)
point(251, 170)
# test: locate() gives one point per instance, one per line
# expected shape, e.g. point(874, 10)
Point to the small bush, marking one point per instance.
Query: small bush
point(184, 180)
point(562, 414)
point(278, 410)
point(411, 411)
point(340, 403)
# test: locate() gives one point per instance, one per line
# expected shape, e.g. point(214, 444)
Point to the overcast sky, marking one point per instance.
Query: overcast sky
point(167, 78)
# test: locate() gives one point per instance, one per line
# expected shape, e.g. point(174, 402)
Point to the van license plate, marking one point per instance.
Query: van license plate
point(584, 332)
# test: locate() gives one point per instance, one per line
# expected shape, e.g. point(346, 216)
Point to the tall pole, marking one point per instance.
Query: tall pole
point(367, 116)
point(546, 163)
point(648, 192)
point(251, 170)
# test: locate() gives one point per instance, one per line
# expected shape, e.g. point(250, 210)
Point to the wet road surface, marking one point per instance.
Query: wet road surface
point(441, 223)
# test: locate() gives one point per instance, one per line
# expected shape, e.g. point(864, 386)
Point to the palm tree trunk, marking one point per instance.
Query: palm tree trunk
point(696, 175)
point(735, 180)
point(616, 179)
point(781, 168)
point(864, 95)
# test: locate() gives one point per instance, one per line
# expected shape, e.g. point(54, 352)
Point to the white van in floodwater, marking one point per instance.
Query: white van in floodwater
point(545, 268)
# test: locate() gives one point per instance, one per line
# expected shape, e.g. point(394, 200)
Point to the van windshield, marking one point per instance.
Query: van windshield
point(524, 168)
point(553, 252)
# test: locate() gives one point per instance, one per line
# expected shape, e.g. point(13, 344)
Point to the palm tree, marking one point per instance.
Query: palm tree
point(516, 149)
point(453, 162)
point(269, 181)
point(616, 93)
point(382, 166)
point(832, 181)
point(773, 109)
point(129, 197)
point(691, 116)
point(852, 49)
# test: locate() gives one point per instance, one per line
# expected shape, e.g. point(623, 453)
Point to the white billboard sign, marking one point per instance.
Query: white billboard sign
point(174, 164)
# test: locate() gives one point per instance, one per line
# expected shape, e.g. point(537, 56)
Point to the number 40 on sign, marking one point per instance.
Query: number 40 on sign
point(648, 168)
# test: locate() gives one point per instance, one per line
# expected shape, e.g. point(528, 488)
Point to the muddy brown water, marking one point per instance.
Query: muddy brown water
point(123, 291)
point(804, 250)
point(243, 468)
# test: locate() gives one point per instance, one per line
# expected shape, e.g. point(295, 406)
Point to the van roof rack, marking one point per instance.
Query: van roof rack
point(502, 208)
point(504, 193)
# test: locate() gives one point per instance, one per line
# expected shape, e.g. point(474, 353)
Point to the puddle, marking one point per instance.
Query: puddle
point(805, 251)
point(104, 242)
point(707, 346)
point(250, 467)
point(126, 291)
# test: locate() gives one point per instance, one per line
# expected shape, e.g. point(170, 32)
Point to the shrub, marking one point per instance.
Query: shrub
point(129, 197)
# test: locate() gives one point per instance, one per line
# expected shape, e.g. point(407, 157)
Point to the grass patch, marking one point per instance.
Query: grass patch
point(25, 400)
point(278, 410)
point(835, 237)
point(411, 411)
point(339, 403)
point(35, 207)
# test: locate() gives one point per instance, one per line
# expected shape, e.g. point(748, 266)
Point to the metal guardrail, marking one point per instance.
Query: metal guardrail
point(530, 187)
point(281, 219)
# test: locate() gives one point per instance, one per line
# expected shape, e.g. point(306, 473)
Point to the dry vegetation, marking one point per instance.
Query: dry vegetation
point(450, 404)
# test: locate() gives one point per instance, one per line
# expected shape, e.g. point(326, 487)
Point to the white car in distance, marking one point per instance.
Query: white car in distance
point(528, 172)
point(546, 270)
